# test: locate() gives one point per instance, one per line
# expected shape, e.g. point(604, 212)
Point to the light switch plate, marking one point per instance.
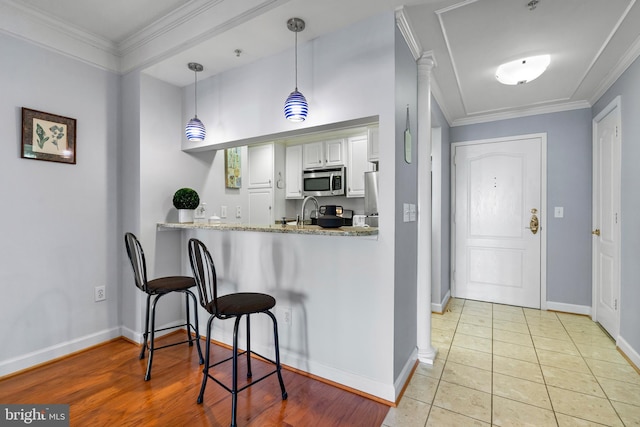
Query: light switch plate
point(223, 211)
point(405, 212)
point(558, 212)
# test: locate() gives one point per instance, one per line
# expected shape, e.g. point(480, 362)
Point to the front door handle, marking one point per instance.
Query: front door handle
point(596, 232)
point(534, 224)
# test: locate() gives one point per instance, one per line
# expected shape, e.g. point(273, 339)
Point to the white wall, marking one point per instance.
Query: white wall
point(59, 221)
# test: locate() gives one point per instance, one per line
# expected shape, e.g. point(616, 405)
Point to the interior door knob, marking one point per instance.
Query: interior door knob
point(596, 232)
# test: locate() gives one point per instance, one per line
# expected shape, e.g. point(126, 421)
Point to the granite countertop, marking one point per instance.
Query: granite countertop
point(276, 228)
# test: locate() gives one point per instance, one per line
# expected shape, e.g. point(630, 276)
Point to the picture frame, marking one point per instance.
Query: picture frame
point(48, 137)
point(232, 168)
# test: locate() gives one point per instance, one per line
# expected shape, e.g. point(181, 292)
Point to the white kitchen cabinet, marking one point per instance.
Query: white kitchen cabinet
point(334, 152)
point(293, 172)
point(313, 155)
point(357, 165)
point(260, 166)
point(323, 154)
point(373, 144)
point(261, 206)
point(266, 184)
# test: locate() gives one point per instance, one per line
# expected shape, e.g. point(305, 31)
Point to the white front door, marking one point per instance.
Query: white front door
point(606, 221)
point(497, 200)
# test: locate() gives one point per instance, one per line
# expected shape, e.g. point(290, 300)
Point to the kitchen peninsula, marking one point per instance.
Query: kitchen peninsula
point(330, 300)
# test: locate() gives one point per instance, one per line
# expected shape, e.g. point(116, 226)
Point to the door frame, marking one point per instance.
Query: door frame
point(543, 207)
point(613, 105)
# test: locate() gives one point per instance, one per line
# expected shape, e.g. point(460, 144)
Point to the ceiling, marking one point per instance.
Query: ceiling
point(591, 42)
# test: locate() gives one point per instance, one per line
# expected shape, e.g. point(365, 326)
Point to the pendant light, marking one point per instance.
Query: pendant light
point(296, 107)
point(195, 130)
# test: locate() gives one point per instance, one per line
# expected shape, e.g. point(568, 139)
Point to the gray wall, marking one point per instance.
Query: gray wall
point(569, 163)
point(60, 221)
point(628, 87)
point(439, 290)
point(406, 181)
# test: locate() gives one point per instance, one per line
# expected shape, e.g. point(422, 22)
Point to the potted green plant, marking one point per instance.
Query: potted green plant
point(186, 200)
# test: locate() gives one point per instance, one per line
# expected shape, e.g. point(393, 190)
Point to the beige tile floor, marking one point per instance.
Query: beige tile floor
point(500, 365)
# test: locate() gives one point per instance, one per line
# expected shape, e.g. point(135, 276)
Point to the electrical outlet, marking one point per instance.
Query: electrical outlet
point(238, 212)
point(223, 211)
point(287, 315)
point(100, 293)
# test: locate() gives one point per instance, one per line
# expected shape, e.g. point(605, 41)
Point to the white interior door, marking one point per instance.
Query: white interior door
point(497, 254)
point(606, 221)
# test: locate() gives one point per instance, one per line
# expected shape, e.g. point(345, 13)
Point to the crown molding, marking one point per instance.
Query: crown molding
point(404, 25)
point(514, 114)
point(195, 25)
point(616, 72)
point(26, 23)
point(189, 24)
point(165, 24)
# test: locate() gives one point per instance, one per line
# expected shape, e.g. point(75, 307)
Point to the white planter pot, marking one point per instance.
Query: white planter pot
point(185, 215)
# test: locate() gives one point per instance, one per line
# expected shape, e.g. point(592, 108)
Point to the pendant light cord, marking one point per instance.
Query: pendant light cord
point(296, 56)
point(195, 92)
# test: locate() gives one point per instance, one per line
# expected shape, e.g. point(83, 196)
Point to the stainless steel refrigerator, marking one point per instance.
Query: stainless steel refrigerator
point(371, 198)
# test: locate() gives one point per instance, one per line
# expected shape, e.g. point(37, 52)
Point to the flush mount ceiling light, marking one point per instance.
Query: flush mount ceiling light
point(296, 107)
point(195, 130)
point(523, 70)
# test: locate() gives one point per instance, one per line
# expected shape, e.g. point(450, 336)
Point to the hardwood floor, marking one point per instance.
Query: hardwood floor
point(105, 386)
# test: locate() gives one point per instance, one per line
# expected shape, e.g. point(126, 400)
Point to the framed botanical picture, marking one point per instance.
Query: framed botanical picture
point(232, 169)
point(47, 136)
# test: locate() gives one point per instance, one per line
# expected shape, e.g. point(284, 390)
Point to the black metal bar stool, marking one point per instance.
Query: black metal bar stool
point(158, 288)
point(230, 306)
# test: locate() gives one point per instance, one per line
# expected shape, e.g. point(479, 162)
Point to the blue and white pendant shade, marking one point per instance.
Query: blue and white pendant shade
point(296, 107)
point(195, 130)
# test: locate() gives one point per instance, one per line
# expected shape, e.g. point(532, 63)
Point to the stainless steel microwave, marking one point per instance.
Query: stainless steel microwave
point(323, 182)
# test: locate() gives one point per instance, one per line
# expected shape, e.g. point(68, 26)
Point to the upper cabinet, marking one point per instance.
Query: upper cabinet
point(334, 153)
point(293, 172)
point(373, 144)
point(324, 154)
point(260, 166)
point(357, 165)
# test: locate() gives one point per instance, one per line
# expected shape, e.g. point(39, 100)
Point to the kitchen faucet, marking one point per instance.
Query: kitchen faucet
point(304, 203)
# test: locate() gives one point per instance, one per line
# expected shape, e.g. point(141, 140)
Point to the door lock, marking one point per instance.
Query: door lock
point(596, 232)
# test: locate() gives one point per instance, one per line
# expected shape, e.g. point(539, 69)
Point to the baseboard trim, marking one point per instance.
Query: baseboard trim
point(56, 352)
point(441, 307)
point(628, 352)
point(402, 381)
point(569, 308)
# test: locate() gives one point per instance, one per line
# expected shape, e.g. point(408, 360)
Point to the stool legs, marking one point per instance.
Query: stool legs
point(150, 332)
point(249, 374)
point(234, 358)
point(277, 346)
point(234, 371)
point(195, 326)
point(207, 353)
point(146, 328)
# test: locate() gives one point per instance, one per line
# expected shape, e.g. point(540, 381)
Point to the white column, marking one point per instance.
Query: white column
point(426, 352)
